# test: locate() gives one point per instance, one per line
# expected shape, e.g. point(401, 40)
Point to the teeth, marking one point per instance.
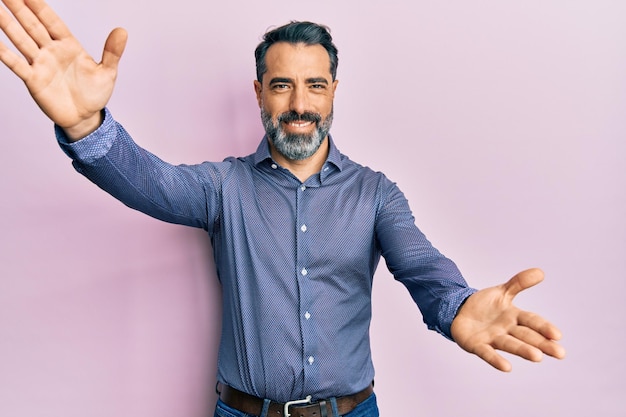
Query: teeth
point(299, 124)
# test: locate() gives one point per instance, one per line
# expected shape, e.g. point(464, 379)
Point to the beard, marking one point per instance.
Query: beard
point(296, 146)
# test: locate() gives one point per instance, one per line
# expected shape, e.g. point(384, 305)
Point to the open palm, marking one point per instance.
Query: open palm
point(488, 321)
point(67, 84)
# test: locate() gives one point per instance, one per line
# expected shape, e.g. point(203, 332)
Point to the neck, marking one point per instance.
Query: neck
point(304, 168)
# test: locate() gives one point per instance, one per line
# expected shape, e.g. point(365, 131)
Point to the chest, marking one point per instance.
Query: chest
point(301, 220)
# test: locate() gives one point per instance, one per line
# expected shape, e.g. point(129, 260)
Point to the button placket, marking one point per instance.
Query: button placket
point(304, 271)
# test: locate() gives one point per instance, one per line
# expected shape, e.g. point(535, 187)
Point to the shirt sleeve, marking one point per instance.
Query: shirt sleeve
point(182, 194)
point(434, 281)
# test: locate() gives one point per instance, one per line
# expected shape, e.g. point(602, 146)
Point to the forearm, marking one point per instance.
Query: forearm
point(109, 158)
point(439, 290)
point(434, 281)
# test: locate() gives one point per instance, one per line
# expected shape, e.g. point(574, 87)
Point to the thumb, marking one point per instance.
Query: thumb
point(114, 48)
point(522, 281)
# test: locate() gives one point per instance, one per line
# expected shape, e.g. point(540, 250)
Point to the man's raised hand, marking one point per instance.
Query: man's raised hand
point(67, 84)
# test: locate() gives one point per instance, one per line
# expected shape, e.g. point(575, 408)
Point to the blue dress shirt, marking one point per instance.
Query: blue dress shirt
point(295, 260)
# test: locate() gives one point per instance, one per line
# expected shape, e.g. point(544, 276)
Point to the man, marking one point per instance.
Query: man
point(297, 228)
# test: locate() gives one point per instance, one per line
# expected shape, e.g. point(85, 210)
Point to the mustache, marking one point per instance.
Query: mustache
point(292, 116)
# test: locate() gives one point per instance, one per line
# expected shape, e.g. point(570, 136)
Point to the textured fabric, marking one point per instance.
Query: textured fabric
point(295, 260)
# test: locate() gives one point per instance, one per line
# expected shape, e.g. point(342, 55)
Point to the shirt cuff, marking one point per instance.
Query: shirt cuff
point(93, 146)
point(450, 309)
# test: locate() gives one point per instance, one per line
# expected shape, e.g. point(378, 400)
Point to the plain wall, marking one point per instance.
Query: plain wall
point(503, 123)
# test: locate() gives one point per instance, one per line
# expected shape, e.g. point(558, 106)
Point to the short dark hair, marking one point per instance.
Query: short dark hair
point(296, 32)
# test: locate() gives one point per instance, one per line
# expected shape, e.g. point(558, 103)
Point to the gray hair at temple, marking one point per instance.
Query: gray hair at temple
point(296, 32)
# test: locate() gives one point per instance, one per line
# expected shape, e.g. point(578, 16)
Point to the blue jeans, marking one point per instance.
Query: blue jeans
point(367, 408)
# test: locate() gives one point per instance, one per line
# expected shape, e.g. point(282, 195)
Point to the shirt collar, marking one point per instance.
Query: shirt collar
point(263, 153)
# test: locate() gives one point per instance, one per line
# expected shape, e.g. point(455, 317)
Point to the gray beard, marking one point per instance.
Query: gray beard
point(296, 147)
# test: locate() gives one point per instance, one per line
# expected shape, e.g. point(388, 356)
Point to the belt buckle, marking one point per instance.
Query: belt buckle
point(288, 404)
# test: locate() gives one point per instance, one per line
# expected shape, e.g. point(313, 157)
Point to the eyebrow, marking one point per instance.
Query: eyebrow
point(313, 80)
point(317, 80)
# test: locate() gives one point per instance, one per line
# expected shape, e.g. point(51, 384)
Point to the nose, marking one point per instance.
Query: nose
point(299, 100)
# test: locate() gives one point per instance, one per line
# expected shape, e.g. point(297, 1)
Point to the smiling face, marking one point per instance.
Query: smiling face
point(296, 98)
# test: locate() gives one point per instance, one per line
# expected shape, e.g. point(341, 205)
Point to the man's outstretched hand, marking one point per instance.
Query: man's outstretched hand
point(67, 84)
point(488, 321)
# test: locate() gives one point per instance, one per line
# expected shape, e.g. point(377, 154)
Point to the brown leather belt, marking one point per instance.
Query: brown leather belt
point(253, 405)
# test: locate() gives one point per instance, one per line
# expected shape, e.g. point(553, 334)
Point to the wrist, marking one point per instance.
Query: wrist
point(85, 127)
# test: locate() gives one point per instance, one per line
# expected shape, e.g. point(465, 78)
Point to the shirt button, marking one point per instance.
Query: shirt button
point(311, 360)
point(307, 315)
point(274, 166)
point(303, 187)
point(304, 271)
point(303, 228)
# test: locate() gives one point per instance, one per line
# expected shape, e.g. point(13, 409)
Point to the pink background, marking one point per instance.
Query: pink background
point(503, 123)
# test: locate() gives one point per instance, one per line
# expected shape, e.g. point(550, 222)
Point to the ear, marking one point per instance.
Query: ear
point(335, 86)
point(258, 87)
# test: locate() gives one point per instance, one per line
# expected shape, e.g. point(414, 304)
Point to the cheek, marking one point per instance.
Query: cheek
point(324, 102)
point(327, 108)
point(273, 107)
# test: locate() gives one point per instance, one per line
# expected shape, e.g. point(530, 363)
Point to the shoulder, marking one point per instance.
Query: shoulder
point(365, 173)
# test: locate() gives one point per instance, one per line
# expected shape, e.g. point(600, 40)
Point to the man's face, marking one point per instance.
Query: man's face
point(296, 98)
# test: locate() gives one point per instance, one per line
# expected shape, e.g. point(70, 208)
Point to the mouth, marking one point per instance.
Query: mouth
point(299, 124)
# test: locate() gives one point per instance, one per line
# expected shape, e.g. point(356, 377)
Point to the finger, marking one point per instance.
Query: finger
point(489, 355)
point(54, 25)
point(19, 66)
point(527, 335)
point(18, 36)
point(517, 347)
point(29, 22)
point(532, 338)
point(546, 344)
point(522, 281)
point(114, 48)
point(552, 348)
point(539, 324)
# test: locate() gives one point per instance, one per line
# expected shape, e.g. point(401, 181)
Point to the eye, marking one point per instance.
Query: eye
point(279, 86)
point(318, 86)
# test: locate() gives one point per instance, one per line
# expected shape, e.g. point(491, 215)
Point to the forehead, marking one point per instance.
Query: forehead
point(297, 60)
